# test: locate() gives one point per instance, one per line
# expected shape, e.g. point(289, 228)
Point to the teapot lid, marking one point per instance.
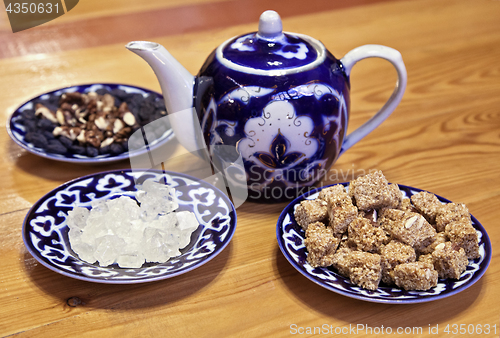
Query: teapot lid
point(270, 51)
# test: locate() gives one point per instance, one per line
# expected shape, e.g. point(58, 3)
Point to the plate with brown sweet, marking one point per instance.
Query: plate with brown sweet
point(383, 242)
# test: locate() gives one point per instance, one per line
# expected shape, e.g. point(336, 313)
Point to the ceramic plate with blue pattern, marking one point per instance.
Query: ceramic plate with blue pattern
point(17, 131)
point(45, 232)
point(291, 242)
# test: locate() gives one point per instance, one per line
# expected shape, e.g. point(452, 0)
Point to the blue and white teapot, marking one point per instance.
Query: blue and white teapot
point(279, 100)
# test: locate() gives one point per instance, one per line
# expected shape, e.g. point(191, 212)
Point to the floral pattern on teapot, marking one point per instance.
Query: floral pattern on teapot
point(278, 139)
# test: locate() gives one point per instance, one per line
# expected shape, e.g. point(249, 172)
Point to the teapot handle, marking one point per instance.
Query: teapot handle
point(394, 57)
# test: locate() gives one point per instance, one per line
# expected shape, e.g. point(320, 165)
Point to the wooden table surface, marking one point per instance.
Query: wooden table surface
point(444, 137)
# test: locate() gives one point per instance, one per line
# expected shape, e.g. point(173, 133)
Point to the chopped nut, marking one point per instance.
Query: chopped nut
point(124, 132)
point(123, 109)
point(94, 138)
point(106, 142)
point(421, 221)
point(74, 132)
point(81, 137)
point(57, 131)
point(129, 118)
point(45, 112)
point(85, 99)
point(108, 101)
point(440, 246)
point(411, 221)
point(101, 123)
point(66, 131)
point(118, 125)
point(60, 117)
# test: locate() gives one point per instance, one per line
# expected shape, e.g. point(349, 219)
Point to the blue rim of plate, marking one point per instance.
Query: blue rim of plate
point(290, 240)
point(17, 132)
point(45, 233)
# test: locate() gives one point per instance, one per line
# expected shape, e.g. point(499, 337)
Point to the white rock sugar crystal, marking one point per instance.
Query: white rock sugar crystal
point(121, 231)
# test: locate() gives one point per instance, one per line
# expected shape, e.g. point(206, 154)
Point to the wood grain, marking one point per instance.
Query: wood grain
point(138, 22)
point(444, 137)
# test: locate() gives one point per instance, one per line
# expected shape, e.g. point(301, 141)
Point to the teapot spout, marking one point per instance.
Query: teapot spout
point(177, 88)
point(175, 81)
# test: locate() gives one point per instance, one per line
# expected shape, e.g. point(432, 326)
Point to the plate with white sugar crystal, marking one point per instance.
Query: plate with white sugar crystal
point(125, 226)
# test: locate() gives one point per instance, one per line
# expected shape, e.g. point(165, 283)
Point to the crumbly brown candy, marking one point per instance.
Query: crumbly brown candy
point(310, 211)
point(365, 236)
point(427, 204)
point(463, 234)
point(392, 255)
point(400, 219)
point(340, 260)
point(333, 190)
point(449, 260)
point(415, 276)
point(406, 205)
point(411, 229)
point(395, 195)
point(440, 238)
point(372, 191)
point(427, 258)
point(341, 212)
point(387, 217)
point(365, 269)
point(320, 244)
point(346, 243)
point(451, 212)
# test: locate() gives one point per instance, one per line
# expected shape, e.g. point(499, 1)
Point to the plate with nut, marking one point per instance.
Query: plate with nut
point(421, 248)
point(90, 123)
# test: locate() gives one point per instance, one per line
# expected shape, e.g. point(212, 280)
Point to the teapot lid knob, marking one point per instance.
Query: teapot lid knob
point(270, 26)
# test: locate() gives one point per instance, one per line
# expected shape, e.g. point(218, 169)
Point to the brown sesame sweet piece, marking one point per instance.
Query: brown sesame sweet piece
point(451, 212)
point(440, 238)
point(309, 211)
point(370, 215)
point(406, 205)
point(415, 276)
point(346, 243)
point(414, 230)
point(340, 260)
point(427, 204)
point(372, 191)
point(365, 269)
point(320, 244)
point(392, 255)
point(464, 234)
point(427, 258)
point(341, 212)
point(330, 191)
point(395, 195)
point(449, 260)
point(365, 236)
point(388, 217)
